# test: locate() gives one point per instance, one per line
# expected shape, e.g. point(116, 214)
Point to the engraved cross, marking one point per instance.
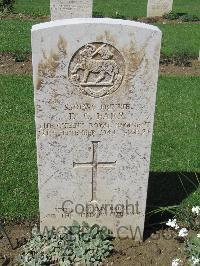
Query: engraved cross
point(94, 165)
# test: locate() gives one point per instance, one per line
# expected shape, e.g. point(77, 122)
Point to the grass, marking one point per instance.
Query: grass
point(174, 143)
point(177, 39)
point(18, 190)
point(15, 35)
point(127, 8)
point(176, 125)
point(184, 6)
point(32, 7)
point(106, 8)
point(180, 39)
point(183, 212)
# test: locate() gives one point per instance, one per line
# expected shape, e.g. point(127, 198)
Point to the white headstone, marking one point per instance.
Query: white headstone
point(95, 91)
point(157, 8)
point(63, 9)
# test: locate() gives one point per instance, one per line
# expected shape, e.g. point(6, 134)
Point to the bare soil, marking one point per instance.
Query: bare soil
point(174, 70)
point(142, 19)
point(160, 248)
point(8, 65)
point(24, 17)
point(165, 21)
point(18, 235)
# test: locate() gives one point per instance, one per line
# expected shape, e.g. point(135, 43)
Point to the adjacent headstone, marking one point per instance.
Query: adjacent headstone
point(95, 91)
point(63, 9)
point(157, 8)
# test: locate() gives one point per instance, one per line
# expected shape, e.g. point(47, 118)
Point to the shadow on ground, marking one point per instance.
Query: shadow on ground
point(166, 189)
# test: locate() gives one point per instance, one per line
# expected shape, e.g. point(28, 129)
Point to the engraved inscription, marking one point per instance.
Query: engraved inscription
point(94, 165)
point(90, 129)
point(97, 69)
point(62, 9)
point(88, 119)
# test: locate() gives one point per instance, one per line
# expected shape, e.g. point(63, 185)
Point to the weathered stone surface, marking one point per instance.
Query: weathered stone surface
point(63, 9)
point(157, 8)
point(95, 90)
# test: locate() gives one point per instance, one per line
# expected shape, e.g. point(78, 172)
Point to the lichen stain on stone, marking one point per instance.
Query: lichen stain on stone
point(47, 67)
point(109, 37)
point(62, 45)
point(54, 100)
point(106, 37)
point(133, 58)
point(39, 83)
point(49, 64)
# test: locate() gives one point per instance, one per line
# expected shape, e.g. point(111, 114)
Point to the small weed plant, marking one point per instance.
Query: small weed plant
point(171, 16)
point(188, 18)
point(20, 57)
point(181, 16)
point(6, 5)
point(77, 244)
point(191, 239)
point(192, 249)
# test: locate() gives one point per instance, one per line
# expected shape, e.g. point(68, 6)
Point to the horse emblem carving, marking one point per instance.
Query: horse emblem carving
point(97, 69)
